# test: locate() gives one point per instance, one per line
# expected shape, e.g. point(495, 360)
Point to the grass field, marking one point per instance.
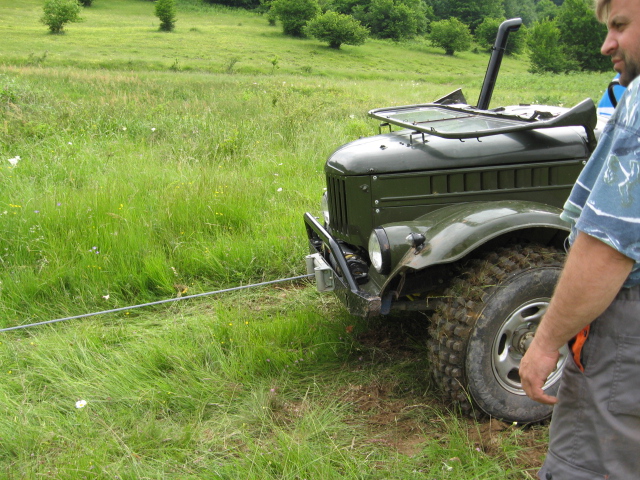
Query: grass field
point(150, 163)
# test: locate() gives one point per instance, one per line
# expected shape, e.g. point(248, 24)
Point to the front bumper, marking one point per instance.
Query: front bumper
point(327, 262)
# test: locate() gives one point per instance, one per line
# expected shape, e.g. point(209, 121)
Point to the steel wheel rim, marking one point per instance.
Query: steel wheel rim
point(506, 352)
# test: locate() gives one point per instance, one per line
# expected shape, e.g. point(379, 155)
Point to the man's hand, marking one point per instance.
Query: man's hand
point(535, 367)
point(592, 277)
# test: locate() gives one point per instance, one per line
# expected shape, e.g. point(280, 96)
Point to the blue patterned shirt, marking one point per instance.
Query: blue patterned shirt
point(605, 201)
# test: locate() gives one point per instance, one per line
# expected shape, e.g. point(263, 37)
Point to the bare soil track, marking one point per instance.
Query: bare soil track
point(402, 409)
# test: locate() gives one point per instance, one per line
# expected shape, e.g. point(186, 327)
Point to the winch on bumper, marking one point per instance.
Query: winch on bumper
point(336, 273)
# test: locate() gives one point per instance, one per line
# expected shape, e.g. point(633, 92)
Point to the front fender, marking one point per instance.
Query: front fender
point(453, 232)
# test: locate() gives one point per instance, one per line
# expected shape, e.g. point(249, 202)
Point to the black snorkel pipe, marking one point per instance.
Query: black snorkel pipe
point(497, 52)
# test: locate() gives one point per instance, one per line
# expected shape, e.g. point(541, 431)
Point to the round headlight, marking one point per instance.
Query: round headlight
point(380, 251)
point(324, 206)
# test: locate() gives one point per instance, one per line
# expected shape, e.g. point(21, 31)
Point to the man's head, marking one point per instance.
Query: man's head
point(622, 44)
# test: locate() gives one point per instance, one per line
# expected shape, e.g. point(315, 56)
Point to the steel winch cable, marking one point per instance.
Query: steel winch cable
point(168, 300)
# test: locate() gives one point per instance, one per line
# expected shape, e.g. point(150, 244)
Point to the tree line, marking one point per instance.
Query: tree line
point(558, 35)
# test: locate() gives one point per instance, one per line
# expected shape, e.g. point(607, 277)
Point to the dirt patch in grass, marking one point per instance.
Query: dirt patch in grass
point(402, 411)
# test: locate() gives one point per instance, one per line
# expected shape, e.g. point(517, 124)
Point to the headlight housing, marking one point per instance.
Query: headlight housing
point(380, 251)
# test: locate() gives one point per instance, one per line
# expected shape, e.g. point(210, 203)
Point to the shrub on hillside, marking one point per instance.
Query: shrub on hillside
point(486, 32)
point(249, 4)
point(57, 13)
point(545, 50)
point(394, 19)
point(85, 3)
point(166, 12)
point(452, 35)
point(295, 14)
point(581, 35)
point(336, 29)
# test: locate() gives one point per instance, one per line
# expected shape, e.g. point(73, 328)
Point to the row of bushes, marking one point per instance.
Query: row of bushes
point(57, 13)
point(568, 41)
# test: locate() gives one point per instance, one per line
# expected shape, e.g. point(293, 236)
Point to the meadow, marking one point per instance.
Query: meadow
point(137, 166)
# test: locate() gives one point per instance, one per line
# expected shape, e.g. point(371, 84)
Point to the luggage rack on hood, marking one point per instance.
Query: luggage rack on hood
point(463, 122)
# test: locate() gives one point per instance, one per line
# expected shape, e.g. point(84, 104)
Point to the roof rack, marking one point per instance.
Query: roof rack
point(462, 122)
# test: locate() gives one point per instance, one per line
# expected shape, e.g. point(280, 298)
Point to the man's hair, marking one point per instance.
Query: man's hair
point(602, 9)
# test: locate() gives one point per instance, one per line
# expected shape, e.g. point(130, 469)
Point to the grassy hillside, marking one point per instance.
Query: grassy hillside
point(149, 162)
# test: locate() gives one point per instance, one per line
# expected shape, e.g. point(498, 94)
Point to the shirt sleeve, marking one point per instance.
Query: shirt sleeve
point(611, 212)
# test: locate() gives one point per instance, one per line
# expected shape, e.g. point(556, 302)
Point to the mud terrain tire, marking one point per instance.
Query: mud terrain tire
point(478, 332)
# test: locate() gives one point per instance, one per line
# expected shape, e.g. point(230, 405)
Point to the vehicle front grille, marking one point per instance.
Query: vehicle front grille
point(337, 197)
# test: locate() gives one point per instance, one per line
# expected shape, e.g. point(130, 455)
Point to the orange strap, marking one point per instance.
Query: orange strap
point(577, 344)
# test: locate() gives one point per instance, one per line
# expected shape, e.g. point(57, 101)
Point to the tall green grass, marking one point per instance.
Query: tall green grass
point(156, 180)
point(258, 387)
point(153, 161)
point(130, 182)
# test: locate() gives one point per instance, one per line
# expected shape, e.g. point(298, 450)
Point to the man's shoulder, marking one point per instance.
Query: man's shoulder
point(627, 115)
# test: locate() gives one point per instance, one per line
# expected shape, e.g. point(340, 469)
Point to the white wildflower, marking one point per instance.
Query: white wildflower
point(81, 403)
point(14, 161)
point(280, 189)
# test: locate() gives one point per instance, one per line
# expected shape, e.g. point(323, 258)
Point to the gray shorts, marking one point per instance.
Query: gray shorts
point(595, 427)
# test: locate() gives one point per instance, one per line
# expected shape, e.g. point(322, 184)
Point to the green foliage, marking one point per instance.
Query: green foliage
point(524, 9)
point(546, 9)
point(470, 12)
point(486, 32)
point(295, 14)
point(57, 13)
point(546, 53)
point(337, 29)
point(582, 35)
point(394, 19)
point(166, 11)
point(452, 35)
point(236, 3)
point(347, 6)
point(85, 3)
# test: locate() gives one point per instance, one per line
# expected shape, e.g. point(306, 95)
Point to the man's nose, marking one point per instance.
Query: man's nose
point(610, 45)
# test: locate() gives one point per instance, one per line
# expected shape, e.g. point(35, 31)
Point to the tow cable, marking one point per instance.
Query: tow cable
point(121, 309)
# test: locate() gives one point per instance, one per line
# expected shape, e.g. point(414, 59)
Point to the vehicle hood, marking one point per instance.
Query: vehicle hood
point(406, 151)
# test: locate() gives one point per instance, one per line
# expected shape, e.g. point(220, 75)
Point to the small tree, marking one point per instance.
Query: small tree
point(336, 29)
point(57, 13)
point(452, 35)
point(545, 51)
point(581, 35)
point(294, 14)
point(166, 12)
point(394, 19)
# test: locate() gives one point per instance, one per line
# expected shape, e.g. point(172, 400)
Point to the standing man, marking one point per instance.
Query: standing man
point(595, 428)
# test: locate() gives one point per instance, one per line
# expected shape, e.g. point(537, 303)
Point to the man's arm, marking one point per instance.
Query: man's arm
point(591, 279)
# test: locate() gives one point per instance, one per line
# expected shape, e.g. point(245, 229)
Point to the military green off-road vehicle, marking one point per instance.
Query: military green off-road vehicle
point(456, 215)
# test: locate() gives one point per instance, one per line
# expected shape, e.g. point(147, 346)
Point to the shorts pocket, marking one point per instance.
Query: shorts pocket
point(625, 388)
